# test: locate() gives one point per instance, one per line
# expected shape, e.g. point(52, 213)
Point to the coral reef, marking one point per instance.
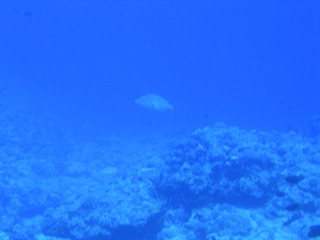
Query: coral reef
point(219, 183)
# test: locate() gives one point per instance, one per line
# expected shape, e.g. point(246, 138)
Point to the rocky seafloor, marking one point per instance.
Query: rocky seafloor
point(217, 183)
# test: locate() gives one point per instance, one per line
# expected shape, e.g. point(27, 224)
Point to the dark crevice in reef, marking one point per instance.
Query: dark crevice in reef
point(148, 231)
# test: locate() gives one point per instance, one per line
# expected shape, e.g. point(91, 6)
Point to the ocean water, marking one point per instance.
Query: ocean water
point(159, 120)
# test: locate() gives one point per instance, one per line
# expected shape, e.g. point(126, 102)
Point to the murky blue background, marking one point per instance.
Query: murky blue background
point(250, 64)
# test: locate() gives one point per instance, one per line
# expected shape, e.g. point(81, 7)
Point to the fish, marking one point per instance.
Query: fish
point(154, 102)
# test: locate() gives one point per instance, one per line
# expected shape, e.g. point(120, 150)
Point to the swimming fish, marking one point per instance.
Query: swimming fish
point(154, 102)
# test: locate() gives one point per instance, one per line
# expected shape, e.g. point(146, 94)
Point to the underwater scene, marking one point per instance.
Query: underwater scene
point(159, 120)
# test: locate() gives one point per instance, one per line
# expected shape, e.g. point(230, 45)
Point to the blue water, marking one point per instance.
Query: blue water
point(70, 72)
